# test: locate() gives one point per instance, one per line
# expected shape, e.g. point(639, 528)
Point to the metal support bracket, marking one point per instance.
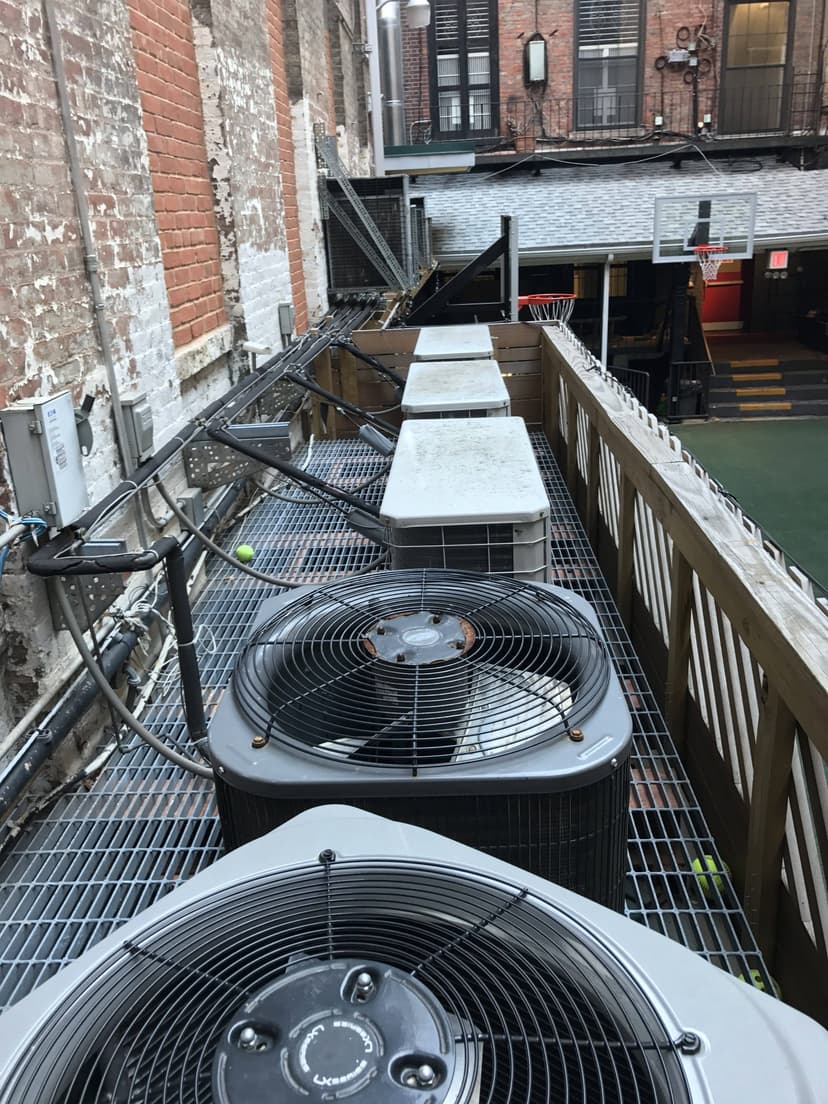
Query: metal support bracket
point(328, 155)
point(506, 247)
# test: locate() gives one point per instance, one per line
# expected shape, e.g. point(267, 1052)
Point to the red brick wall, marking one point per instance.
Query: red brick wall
point(171, 103)
point(287, 164)
point(662, 92)
point(416, 80)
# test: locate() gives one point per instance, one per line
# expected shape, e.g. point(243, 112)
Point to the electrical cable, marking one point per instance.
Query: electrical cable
point(38, 524)
point(233, 562)
point(175, 757)
point(191, 527)
point(670, 151)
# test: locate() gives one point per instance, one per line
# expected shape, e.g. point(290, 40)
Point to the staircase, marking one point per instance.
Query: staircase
point(768, 389)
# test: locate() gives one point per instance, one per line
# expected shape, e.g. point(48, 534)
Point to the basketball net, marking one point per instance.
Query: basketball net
point(549, 307)
point(710, 258)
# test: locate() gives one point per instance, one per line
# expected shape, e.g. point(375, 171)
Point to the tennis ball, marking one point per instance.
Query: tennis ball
point(757, 981)
point(244, 553)
point(704, 882)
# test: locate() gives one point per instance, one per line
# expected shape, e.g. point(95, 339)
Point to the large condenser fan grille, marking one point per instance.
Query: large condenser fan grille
point(538, 1010)
point(414, 669)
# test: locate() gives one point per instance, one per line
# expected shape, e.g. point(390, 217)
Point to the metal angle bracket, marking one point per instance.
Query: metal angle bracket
point(326, 151)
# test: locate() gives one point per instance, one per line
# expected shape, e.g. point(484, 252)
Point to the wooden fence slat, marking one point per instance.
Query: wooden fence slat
point(675, 691)
point(572, 443)
point(626, 542)
point(768, 810)
point(593, 478)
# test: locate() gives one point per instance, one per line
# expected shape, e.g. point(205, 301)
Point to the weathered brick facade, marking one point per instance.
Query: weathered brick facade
point(203, 214)
point(167, 75)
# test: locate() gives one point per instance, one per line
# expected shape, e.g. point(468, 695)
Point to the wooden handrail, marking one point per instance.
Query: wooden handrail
point(785, 631)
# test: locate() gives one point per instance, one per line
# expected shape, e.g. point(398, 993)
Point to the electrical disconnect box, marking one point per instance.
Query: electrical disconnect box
point(45, 458)
point(139, 427)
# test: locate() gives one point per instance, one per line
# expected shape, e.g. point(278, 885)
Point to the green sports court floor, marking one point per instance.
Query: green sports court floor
point(778, 471)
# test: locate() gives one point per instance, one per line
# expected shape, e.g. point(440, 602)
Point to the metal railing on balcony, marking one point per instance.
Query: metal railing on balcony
point(789, 106)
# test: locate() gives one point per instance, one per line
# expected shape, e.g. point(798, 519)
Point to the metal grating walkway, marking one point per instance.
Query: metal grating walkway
point(101, 855)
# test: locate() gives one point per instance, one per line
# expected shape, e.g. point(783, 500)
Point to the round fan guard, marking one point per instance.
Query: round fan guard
point(418, 668)
point(540, 1010)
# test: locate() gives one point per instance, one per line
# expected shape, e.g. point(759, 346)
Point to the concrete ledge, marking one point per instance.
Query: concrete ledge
point(436, 162)
point(195, 357)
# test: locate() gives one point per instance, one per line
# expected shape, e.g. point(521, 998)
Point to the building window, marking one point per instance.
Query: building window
point(753, 93)
point(463, 41)
point(608, 63)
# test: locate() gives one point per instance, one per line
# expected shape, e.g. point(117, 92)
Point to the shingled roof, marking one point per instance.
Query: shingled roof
point(586, 212)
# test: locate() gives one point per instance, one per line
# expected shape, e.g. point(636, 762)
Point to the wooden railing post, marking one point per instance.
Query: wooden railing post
point(572, 444)
point(678, 645)
point(593, 483)
point(772, 766)
point(552, 399)
point(626, 548)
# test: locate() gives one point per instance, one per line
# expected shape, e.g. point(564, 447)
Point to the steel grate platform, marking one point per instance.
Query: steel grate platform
point(101, 855)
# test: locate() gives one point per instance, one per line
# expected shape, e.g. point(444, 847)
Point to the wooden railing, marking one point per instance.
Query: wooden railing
point(738, 643)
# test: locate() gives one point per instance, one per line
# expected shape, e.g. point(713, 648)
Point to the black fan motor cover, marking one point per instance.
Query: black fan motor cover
point(337, 1029)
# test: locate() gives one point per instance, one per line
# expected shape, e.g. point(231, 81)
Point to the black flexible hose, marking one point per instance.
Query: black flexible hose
point(371, 361)
point(224, 435)
point(337, 400)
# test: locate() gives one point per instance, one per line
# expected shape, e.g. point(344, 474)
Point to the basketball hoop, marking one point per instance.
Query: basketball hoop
point(710, 257)
point(549, 306)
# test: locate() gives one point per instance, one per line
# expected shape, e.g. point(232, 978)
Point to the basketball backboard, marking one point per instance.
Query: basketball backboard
point(682, 223)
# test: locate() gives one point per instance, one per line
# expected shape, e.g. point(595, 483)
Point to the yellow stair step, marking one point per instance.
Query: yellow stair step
point(760, 391)
point(755, 377)
point(748, 408)
point(770, 362)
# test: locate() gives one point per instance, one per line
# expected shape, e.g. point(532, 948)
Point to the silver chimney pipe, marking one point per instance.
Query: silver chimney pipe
point(391, 73)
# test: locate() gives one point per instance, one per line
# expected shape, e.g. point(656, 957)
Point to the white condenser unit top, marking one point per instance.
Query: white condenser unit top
point(454, 343)
point(455, 389)
point(467, 494)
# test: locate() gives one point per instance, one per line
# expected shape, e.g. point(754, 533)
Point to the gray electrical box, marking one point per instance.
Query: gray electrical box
point(287, 320)
point(45, 458)
point(139, 428)
point(191, 501)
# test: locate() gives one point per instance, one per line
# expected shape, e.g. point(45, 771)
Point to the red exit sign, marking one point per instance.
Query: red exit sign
point(778, 258)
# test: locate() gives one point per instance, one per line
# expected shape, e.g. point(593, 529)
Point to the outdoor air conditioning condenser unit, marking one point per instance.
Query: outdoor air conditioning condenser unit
point(468, 494)
point(483, 708)
point(348, 957)
point(455, 389)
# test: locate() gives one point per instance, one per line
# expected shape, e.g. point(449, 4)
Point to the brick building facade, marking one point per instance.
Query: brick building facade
point(606, 69)
point(193, 122)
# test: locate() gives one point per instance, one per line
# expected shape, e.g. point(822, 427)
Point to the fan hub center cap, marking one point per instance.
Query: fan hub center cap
point(335, 1052)
point(419, 638)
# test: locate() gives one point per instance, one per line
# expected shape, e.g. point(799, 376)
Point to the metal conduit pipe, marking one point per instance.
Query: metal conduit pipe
point(50, 734)
point(193, 706)
point(10, 535)
point(38, 708)
point(238, 398)
point(90, 258)
point(167, 550)
point(78, 698)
